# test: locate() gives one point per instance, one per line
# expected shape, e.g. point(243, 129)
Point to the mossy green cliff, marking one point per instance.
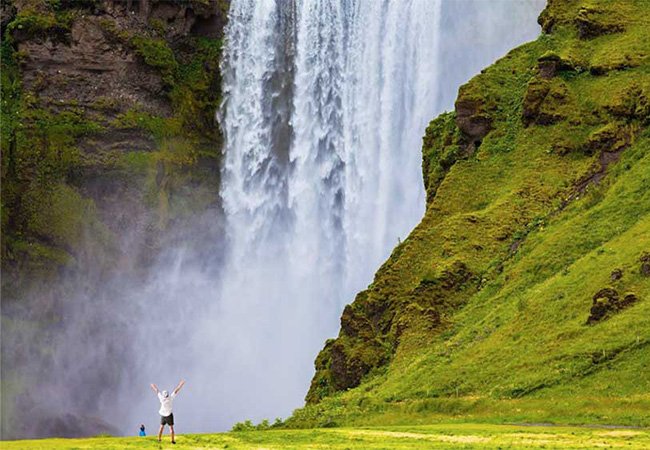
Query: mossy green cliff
point(523, 293)
point(107, 117)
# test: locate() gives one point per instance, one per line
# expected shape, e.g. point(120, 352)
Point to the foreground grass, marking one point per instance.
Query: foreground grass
point(442, 436)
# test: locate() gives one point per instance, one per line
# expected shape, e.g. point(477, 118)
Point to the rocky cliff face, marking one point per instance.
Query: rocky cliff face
point(110, 150)
point(534, 195)
point(108, 112)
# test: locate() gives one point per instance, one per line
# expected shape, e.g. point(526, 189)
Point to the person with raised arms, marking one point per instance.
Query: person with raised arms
point(166, 414)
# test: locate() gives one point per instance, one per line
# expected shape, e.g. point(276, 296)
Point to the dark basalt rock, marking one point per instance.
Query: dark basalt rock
point(550, 64)
point(535, 95)
point(593, 22)
point(611, 138)
point(435, 298)
point(361, 345)
point(347, 322)
point(341, 377)
point(472, 115)
point(469, 119)
point(357, 321)
point(645, 264)
point(7, 14)
point(348, 367)
point(645, 269)
point(628, 300)
point(616, 274)
point(606, 302)
point(555, 15)
point(544, 102)
point(551, 17)
point(547, 22)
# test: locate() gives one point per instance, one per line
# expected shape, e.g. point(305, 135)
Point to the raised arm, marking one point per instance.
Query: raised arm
point(154, 387)
point(178, 388)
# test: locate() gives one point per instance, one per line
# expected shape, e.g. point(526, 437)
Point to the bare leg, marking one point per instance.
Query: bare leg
point(162, 427)
point(171, 427)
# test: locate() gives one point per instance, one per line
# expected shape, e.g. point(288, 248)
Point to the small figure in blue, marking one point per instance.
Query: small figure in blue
point(142, 430)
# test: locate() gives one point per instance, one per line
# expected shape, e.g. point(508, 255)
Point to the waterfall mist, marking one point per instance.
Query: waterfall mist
point(325, 105)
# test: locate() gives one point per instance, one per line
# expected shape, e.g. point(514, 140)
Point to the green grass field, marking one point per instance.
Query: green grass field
point(441, 436)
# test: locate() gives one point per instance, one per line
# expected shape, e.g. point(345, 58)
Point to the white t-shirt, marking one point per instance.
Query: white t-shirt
point(166, 404)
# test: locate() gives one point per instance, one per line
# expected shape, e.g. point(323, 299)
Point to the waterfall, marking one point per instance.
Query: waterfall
point(325, 104)
point(324, 107)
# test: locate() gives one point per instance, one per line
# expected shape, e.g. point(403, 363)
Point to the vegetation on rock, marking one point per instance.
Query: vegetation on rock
point(54, 139)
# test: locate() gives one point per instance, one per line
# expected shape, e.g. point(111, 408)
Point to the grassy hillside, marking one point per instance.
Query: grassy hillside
point(448, 437)
point(524, 292)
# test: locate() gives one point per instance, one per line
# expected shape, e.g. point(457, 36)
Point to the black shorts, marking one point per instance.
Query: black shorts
point(167, 420)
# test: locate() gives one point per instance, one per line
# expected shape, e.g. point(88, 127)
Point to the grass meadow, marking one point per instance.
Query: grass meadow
point(440, 436)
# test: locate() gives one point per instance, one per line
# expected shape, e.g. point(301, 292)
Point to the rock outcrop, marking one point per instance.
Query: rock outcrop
point(100, 96)
point(607, 301)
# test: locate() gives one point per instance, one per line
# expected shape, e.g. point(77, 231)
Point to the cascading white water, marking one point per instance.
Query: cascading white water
point(312, 215)
point(363, 91)
point(390, 96)
point(325, 105)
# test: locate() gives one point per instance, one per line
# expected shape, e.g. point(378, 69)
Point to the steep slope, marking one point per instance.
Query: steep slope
point(523, 293)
